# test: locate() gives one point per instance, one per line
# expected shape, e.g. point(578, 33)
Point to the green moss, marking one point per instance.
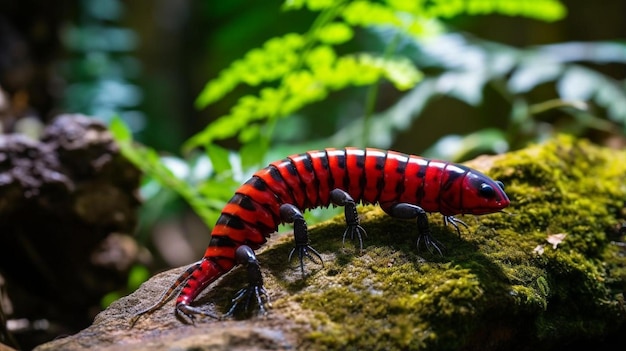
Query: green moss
point(490, 289)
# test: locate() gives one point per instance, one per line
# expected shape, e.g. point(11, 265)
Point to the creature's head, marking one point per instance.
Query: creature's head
point(481, 194)
point(467, 191)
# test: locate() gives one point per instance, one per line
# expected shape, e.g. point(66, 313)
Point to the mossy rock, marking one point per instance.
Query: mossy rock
point(500, 285)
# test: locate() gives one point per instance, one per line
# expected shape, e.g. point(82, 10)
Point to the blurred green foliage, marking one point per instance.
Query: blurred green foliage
point(100, 65)
point(300, 69)
point(587, 99)
point(294, 70)
point(178, 176)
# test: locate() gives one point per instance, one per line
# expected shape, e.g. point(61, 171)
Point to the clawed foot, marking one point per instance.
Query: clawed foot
point(308, 252)
point(191, 312)
point(353, 230)
point(455, 223)
point(430, 243)
point(246, 295)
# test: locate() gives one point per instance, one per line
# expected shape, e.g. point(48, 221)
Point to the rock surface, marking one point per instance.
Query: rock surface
point(551, 274)
point(67, 204)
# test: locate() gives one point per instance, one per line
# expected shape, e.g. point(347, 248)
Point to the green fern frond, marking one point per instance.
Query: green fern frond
point(150, 163)
point(296, 70)
point(276, 58)
point(545, 10)
point(323, 73)
point(335, 33)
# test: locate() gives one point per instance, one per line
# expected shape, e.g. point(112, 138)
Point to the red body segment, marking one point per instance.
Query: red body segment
point(355, 169)
point(393, 177)
point(322, 176)
point(337, 167)
point(197, 282)
point(414, 174)
point(308, 184)
point(374, 175)
point(306, 181)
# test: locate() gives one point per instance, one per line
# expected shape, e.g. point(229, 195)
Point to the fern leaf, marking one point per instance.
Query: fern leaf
point(277, 57)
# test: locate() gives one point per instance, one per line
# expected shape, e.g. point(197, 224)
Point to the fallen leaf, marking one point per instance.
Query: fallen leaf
point(556, 239)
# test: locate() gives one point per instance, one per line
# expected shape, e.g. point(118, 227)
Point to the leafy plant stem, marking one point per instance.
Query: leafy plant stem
point(519, 110)
point(372, 93)
point(324, 18)
point(556, 103)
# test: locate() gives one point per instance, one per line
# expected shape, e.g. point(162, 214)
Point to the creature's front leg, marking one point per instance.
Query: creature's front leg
point(409, 211)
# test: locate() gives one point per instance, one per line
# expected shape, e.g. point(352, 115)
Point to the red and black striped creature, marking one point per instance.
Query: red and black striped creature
point(405, 187)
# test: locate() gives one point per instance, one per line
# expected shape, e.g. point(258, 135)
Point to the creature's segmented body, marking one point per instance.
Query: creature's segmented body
point(405, 186)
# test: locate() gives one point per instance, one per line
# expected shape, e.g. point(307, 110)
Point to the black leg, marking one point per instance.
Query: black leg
point(455, 223)
point(291, 214)
point(191, 312)
point(255, 290)
point(410, 211)
point(342, 198)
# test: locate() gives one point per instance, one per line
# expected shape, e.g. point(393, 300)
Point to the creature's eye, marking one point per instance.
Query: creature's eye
point(486, 191)
point(500, 184)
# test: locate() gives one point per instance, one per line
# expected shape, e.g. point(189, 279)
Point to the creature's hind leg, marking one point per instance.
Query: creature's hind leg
point(255, 289)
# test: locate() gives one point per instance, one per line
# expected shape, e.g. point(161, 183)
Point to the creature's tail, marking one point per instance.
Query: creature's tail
point(167, 294)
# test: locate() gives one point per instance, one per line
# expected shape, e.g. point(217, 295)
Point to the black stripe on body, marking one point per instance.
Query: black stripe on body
point(277, 177)
point(244, 201)
point(326, 165)
point(258, 183)
point(230, 221)
point(380, 182)
point(292, 168)
point(401, 169)
point(221, 240)
point(341, 161)
point(308, 165)
point(421, 175)
point(360, 163)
